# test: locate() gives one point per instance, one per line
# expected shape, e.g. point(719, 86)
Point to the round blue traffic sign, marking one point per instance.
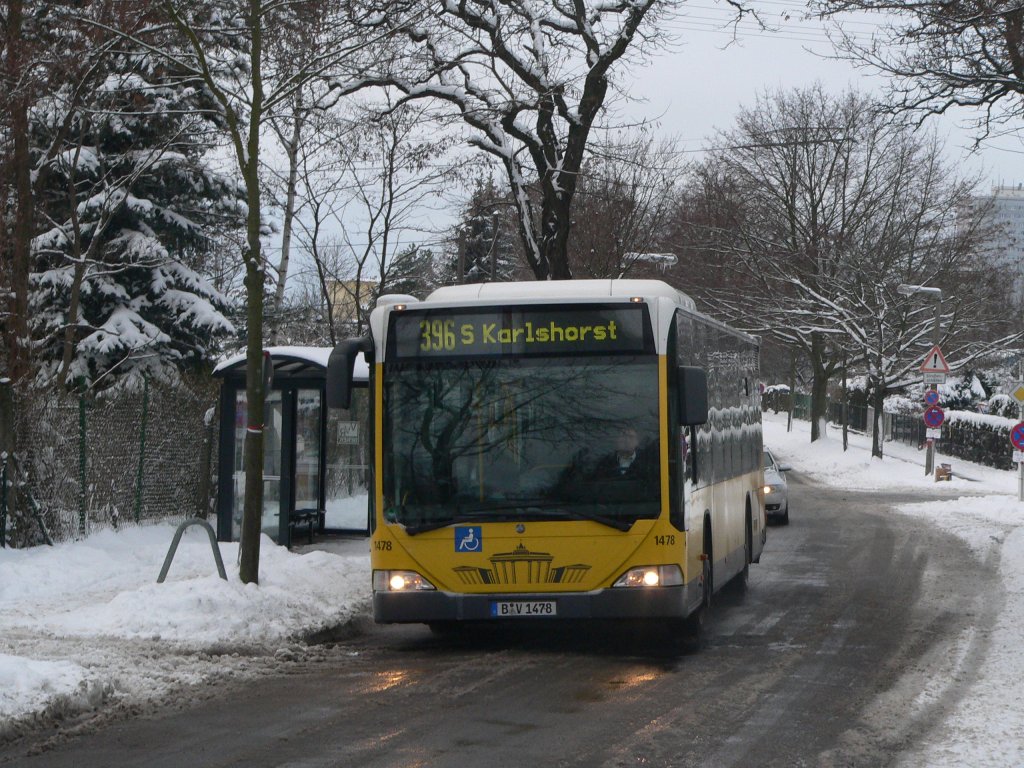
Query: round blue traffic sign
point(1017, 436)
point(934, 416)
point(932, 397)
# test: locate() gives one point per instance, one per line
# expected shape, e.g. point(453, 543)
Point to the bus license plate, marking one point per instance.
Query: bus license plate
point(514, 609)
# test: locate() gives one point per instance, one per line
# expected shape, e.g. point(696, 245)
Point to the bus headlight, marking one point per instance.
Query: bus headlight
point(651, 576)
point(399, 581)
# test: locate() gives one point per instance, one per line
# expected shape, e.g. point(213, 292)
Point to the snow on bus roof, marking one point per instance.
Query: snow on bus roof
point(313, 356)
point(561, 290)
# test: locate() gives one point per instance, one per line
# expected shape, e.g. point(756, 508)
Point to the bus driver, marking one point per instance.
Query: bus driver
point(628, 460)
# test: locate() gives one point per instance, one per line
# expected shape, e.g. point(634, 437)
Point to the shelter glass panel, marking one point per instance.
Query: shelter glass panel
point(307, 449)
point(347, 446)
point(273, 417)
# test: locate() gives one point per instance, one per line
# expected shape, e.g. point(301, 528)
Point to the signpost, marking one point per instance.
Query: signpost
point(1017, 433)
point(934, 369)
point(1017, 438)
point(931, 398)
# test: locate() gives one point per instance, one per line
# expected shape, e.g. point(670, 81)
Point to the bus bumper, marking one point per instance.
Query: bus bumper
point(620, 603)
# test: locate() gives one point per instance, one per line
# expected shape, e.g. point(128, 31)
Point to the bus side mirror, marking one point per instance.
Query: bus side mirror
point(693, 396)
point(340, 365)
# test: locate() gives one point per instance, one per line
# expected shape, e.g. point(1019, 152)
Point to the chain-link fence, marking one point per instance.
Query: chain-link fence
point(80, 463)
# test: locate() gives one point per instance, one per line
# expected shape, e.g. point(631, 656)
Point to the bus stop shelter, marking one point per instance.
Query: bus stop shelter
point(315, 470)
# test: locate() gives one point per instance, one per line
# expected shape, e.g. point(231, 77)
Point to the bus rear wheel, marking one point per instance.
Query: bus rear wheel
point(738, 584)
point(708, 568)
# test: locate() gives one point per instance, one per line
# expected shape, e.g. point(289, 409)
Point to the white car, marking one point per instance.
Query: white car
point(776, 491)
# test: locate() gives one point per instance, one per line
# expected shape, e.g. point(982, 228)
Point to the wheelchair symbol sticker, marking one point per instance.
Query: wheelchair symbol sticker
point(468, 538)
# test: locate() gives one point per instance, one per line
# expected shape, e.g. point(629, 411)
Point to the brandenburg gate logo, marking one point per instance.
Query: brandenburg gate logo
point(521, 566)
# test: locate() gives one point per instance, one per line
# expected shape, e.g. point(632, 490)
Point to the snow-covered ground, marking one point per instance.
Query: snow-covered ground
point(987, 726)
point(85, 624)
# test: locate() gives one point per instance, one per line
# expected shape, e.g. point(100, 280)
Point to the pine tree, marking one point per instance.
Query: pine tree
point(117, 286)
point(487, 235)
point(411, 272)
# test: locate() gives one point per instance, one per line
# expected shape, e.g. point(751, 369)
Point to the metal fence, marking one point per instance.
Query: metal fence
point(906, 428)
point(962, 437)
point(80, 463)
point(857, 416)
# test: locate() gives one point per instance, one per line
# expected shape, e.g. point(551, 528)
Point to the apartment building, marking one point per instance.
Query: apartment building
point(1008, 242)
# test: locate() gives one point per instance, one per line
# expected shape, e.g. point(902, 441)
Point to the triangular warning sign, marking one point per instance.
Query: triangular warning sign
point(934, 362)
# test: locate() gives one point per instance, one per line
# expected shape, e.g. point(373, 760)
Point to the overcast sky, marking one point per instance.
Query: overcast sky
point(696, 87)
point(700, 85)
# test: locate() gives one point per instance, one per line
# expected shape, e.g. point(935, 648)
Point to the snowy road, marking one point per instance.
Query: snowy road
point(860, 631)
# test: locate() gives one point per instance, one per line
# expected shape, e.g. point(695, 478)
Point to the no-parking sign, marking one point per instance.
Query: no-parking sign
point(1017, 436)
point(934, 416)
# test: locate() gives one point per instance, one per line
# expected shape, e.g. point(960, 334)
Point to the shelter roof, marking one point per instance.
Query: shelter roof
point(292, 361)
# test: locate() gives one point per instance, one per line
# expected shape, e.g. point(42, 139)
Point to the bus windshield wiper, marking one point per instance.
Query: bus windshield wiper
point(520, 511)
point(461, 517)
point(594, 517)
point(537, 508)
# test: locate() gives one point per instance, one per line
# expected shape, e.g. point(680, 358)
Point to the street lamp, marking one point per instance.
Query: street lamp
point(932, 293)
point(662, 260)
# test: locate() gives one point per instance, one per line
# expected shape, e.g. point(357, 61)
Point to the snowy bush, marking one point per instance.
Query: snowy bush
point(1002, 405)
point(981, 438)
point(902, 404)
point(775, 398)
point(965, 392)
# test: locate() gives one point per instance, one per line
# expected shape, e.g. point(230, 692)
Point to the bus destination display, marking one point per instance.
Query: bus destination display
point(521, 331)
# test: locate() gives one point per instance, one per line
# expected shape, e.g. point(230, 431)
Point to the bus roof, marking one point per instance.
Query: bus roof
point(555, 290)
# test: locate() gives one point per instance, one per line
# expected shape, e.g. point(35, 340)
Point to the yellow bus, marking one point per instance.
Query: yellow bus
point(580, 449)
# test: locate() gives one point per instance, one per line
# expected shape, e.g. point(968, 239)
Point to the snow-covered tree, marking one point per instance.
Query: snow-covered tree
point(44, 48)
point(828, 208)
point(131, 202)
point(939, 55)
point(530, 80)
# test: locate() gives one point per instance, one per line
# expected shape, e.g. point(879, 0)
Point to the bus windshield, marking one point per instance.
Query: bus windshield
point(514, 439)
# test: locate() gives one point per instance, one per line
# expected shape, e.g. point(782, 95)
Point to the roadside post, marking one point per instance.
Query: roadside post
point(1017, 436)
point(934, 369)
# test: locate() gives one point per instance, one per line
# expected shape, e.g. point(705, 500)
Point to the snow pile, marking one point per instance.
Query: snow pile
point(97, 602)
point(30, 686)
